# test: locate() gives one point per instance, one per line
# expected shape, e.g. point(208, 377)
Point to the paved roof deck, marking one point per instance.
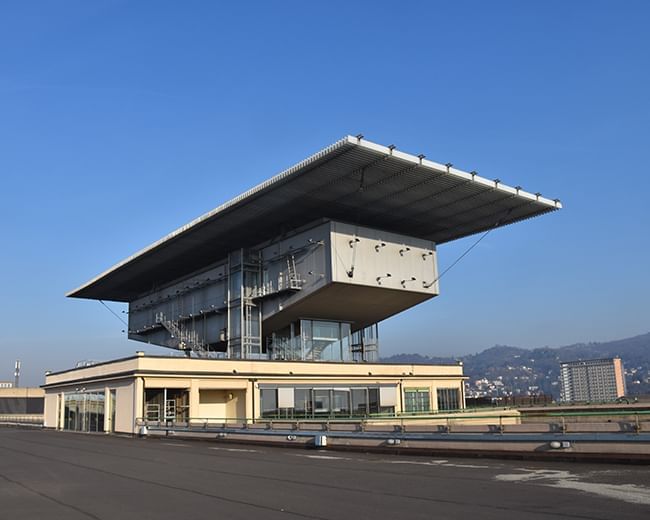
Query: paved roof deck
point(353, 180)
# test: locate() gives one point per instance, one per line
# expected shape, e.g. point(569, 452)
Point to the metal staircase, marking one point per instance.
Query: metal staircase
point(186, 340)
point(316, 351)
point(287, 281)
point(295, 283)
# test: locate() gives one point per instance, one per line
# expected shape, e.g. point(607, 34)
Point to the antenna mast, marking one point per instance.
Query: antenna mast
point(17, 374)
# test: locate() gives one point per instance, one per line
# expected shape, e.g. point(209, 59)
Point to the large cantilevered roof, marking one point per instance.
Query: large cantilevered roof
point(353, 180)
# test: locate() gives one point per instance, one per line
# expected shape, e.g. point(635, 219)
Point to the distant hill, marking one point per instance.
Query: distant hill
point(504, 370)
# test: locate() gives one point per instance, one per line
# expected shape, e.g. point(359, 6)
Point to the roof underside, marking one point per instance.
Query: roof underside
point(353, 181)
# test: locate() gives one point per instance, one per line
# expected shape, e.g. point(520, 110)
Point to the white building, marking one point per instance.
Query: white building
point(592, 380)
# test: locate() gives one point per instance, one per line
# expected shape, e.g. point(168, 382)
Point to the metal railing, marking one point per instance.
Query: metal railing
point(460, 422)
point(21, 420)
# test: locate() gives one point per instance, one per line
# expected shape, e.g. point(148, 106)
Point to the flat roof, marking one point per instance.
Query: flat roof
point(299, 370)
point(352, 180)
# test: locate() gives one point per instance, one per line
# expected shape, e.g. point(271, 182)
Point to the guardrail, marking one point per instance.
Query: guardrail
point(462, 422)
point(21, 420)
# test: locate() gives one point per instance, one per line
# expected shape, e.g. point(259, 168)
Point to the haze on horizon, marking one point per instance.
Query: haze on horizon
point(122, 121)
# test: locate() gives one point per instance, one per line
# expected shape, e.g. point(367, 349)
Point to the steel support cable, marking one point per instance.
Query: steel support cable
point(466, 252)
point(114, 313)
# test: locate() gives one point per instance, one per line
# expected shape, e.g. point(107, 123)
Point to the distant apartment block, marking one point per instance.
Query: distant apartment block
point(592, 380)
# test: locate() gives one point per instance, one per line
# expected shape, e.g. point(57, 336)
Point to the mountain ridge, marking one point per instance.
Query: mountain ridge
point(509, 370)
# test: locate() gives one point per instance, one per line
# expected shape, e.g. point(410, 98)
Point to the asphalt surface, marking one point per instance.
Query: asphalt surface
point(55, 475)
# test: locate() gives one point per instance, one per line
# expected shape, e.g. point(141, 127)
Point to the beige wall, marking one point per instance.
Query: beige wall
point(230, 388)
point(127, 406)
point(433, 386)
point(51, 410)
point(220, 404)
point(212, 404)
point(22, 392)
point(619, 376)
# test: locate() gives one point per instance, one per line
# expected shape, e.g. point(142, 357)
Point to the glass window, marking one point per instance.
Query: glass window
point(269, 402)
point(321, 401)
point(341, 402)
point(448, 399)
point(84, 412)
point(302, 401)
point(325, 337)
point(373, 400)
point(416, 400)
point(326, 330)
point(374, 403)
point(359, 401)
point(154, 402)
point(305, 333)
point(345, 342)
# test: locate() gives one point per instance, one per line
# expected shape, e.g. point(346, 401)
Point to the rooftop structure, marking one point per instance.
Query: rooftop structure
point(120, 394)
point(299, 269)
point(304, 265)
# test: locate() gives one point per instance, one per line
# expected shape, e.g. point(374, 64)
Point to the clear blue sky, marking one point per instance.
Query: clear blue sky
point(120, 121)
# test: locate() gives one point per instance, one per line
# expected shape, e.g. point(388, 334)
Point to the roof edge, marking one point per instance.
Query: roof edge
point(359, 141)
point(226, 205)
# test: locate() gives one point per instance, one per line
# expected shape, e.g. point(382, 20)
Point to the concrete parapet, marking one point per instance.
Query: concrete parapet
point(344, 427)
point(607, 427)
point(534, 428)
point(311, 427)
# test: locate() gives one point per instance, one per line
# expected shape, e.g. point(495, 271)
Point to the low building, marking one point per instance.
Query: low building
point(25, 404)
point(118, 395)
point(592, 380)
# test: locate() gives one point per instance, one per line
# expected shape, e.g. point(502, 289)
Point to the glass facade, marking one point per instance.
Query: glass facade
point(322, 340)
point(324, 402)
point(365, 344)
point(84, 412)
point(448, 399)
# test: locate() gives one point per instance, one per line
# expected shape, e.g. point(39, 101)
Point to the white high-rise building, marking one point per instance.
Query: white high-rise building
point(592, 380)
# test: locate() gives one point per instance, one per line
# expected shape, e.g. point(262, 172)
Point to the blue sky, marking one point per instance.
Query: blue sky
point(120, 121)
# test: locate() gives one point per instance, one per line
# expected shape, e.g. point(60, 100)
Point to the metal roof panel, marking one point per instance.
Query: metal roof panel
point(352, 180)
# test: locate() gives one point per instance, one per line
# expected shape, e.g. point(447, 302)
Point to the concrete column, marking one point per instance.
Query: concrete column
point(194, 399)
point(107, 410)
point(434, 397)
point(399, 405)
point(249, 396)
point(138, 401)
point(61, 412)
